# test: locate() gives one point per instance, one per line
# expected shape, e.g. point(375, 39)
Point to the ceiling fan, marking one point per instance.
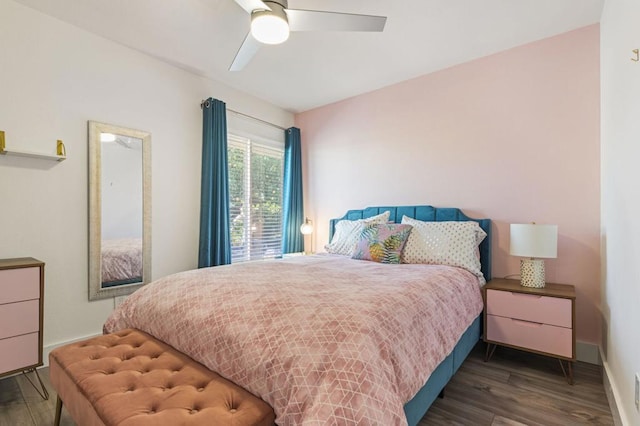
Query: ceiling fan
point(272, 20)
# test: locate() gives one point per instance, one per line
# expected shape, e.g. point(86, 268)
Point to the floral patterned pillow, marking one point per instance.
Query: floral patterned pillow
point(382, 242)
point(347, 233)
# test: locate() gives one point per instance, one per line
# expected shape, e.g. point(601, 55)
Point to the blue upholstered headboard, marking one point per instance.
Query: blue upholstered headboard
point(427, 214)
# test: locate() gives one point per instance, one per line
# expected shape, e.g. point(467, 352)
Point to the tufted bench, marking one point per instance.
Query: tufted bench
point(130, 378)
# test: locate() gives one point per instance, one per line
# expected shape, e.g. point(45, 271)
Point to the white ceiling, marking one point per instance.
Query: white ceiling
point(314, 69)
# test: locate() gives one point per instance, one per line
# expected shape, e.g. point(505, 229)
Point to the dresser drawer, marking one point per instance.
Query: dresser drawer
point(19, 352)
point(19, 318)
point(19, 284)
point(530, 335)
point(530, 307)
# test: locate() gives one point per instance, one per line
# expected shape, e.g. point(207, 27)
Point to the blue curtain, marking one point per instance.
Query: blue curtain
point(293, 209)
point(215, 239)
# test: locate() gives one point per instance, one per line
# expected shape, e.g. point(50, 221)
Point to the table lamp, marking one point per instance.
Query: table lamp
point(534, 242)
point(307, 229)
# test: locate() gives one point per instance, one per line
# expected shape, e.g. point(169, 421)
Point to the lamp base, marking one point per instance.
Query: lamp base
point(532, 273)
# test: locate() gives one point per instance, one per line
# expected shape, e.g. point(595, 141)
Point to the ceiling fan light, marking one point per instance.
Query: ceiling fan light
point(107, 137)
point(269, 28)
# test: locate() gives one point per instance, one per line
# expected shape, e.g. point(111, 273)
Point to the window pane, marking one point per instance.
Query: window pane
point(236, 157)
point(255, 190)
point(266, 204)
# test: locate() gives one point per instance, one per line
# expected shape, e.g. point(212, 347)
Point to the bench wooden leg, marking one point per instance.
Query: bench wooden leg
point(56, 422)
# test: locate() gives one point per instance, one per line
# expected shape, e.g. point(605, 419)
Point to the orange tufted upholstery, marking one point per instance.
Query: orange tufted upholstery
point(130, 378)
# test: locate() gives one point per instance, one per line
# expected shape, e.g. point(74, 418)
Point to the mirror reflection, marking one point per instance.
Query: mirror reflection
point(119, 210)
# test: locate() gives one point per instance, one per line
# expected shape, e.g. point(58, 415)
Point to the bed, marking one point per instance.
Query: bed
point(121, 261)
point(324, 339)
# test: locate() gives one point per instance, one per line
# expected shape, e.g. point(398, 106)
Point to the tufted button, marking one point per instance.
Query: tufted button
point(233, 410)
point(200, 389)
point(193, 411)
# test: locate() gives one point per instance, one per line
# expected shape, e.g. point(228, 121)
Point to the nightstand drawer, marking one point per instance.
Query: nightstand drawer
point(19, 318)
point(530, 335)
point(19, 352)
point(530, 307)
point(19, 284)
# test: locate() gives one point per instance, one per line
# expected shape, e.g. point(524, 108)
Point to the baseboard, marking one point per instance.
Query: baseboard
point(613, 396)
point(588, 352)
point(47, 349)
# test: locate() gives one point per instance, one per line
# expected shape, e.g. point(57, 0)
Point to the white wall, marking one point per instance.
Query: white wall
point(620, 34)
point(55, 77)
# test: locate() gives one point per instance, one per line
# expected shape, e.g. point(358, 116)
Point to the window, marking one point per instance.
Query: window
point(255, 195)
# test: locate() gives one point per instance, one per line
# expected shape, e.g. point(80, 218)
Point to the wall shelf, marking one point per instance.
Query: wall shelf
point(60, 155)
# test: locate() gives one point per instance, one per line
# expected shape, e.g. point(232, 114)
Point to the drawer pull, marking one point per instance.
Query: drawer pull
point(529, 296)
point(527, 323)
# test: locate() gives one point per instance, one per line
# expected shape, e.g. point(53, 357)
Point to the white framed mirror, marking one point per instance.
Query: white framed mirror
point(119, 210)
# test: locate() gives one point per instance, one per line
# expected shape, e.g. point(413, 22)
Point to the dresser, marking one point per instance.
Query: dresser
point(21, 312)
point(538, 320)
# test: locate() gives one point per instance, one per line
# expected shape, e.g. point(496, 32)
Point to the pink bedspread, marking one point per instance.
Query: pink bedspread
point(325, 340)
point(121, 259)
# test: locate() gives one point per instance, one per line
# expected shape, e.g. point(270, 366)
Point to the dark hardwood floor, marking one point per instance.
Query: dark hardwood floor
point(518, 388)
point(514, 388)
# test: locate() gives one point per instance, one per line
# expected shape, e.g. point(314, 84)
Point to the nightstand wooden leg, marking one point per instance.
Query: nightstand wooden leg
point(491, 348)
point(569, 376)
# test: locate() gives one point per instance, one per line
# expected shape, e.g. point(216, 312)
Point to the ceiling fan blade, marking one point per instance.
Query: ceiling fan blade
point(248, 49)
point(251, 5)
point(315, 20)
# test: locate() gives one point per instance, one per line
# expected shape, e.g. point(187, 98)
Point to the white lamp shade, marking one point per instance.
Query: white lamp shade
point(531, 240)
point(307, 228)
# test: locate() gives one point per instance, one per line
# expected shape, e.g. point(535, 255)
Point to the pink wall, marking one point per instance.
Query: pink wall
point(514, 137)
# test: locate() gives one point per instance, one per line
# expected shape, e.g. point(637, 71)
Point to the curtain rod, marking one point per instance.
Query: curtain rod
point(248, 116)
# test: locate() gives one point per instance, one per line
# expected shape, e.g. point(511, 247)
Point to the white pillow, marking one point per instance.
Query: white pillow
point(347, 233)
point(444, 243)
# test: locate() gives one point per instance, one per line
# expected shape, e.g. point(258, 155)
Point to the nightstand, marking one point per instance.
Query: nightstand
point(21, 313)
point(538, 320)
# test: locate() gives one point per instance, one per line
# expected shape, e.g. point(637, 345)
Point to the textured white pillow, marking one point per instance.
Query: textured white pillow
point(444, 243)
point(347, 233)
